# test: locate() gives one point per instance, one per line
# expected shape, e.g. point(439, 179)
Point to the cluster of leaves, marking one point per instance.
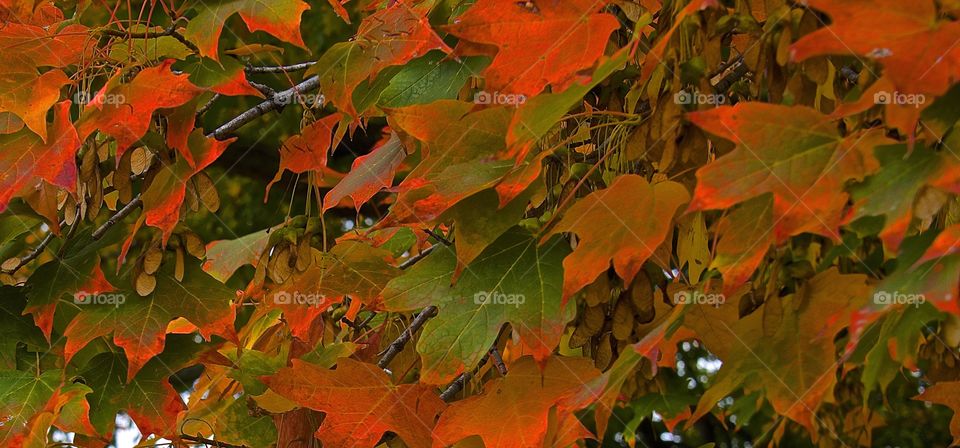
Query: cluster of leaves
point(521, 223)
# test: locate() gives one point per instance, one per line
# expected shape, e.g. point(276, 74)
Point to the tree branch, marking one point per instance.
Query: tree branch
point(498, 361)
point(397, 345)
point(169, 31)
point(33, 253)
point(280, 68)
point(120, 214)
point(276, 102)
point(208, 442)
point(461, 381)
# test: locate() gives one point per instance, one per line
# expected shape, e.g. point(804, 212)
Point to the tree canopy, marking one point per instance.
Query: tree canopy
point(500, 223)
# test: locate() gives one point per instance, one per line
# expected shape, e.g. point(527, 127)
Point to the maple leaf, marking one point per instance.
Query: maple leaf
point(513, 281)
point(369, 174)
point(16, 328)
point(932, 276)
point(478, 222)
point(77, 270)
point(229, 420)
point(139, 324)
point(340, 10)
point(360, 403)
point(391, 36)
point(786, 356)
point(539, 43)
point(745, 236)
point(948, 394)
point(308, 151)
point(224, 257)
point(24, 395)
point(30, 96)
point(892, 191)
point(628, 236)
point(524, 400)
point(28, 46)
point(280, 18)
point(796, 153)
point(148, 398)
point(25, 157)
point(226, 77)
point(164, 196)
point(458, 157)
point(916, 50)
point(125, 110)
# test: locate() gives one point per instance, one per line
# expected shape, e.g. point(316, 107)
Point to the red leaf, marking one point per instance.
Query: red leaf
point(124, 111)
point(25, 157)
point(514, 411)
point(369, 174)
point(796, 153)
point(918, 52)
point(391, 36)
point(280, 18)
point(360, 403)
point(307, 151)
point(628, 237)
point(30, 96)
point(547, 43)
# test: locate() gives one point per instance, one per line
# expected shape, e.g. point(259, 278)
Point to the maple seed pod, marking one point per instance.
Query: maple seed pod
point(580, 336)
point(145, 284)
point(623, 319)
point(304, 254)
point(10, 264)
point(279, 266)
point(194, 245)
point(140, 159)
point(603, 355)
point(152, 259)
point(207, 192)
point(178, 267)
point(191, 201)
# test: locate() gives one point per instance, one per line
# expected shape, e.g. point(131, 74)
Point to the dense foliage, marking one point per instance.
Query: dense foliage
point(479, 223)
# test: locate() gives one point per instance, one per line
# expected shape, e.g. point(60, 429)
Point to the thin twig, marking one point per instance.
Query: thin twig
point(438, 237)
point(276, 102)
point(397, 345)
point(266, 90)
point(206, 107)
point(498, 361)
point(280, 68)
point(169, 31)
point(33, 254)
point(461, 381)
point(209, 442)
point(119, 215)
point(414, 259)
